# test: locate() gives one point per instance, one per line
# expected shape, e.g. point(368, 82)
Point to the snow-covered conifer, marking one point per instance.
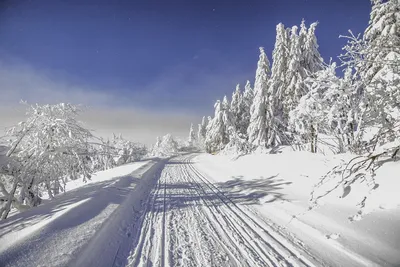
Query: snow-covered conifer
point(256, 131)
point(192, 136)
point(247, 100)
point(236, 105)
point(220, 127)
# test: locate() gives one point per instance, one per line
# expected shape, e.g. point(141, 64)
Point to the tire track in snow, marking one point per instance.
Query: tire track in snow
point(244, 241)
point(190, 222)
point(278, 243)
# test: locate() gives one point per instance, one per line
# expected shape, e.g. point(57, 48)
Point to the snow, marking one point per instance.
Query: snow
point(279, 187)
point(51, 234)
point(209, 210)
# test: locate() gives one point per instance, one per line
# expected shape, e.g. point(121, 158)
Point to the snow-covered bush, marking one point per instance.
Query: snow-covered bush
point(126, 151)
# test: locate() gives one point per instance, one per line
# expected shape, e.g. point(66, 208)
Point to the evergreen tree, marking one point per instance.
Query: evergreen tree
point(295, 74)
point(201, 132)
point(313, 61)
point(247, 100)
point(277, 87)
point(257, 130)
point(236, 105)
point(220, 127)
point(192, 136)
point(382, 36)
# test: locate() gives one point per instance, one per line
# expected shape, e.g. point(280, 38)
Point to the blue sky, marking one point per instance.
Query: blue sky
point(166, 56)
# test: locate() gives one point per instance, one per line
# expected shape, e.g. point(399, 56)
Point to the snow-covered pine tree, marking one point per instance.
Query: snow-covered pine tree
point(277, 87)
point(313, 61)
point(295, 57)
point(236, 105)
point(247, 100)
point(220, 127)
point(201, 133)
point(257, 130)
point(382, 36)
point(165, 146)
point(215, 130)
point(192, 136)
point(294, 76)
point(228, 118)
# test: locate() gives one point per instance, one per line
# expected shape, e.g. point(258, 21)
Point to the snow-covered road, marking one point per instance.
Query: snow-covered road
point(166, 213)
point(188, 221)
point(184, 211)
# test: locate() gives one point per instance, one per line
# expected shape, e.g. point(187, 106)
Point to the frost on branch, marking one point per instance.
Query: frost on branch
point(44, 151)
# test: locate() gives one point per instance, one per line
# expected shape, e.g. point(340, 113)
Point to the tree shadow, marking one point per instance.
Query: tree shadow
point(201, 192)
point(94, 199)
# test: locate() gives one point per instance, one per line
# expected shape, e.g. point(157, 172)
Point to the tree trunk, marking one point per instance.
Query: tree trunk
point(33, 199)
point(6, 210)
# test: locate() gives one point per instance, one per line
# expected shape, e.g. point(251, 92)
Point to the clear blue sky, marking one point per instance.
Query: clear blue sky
point(176, 54)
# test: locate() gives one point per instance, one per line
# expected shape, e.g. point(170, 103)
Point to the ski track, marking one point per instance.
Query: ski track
point(188, 221)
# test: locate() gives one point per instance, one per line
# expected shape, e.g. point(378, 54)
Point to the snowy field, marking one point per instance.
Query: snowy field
point(205, 210)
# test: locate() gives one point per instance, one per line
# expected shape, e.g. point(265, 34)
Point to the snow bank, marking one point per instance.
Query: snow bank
point(54, 233)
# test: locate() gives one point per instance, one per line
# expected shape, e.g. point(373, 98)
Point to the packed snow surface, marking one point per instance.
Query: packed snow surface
point(205, 210)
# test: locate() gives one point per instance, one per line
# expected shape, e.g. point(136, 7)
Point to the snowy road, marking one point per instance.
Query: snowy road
point(188, 221)
point(165, 213)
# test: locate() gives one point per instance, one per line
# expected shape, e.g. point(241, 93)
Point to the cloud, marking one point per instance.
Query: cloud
point(22, 82)
point(180, 95)
point(103, 111)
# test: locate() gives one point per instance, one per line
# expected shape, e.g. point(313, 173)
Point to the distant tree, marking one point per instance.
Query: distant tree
point(201, 133)
point(192, 136)
point(165, 147)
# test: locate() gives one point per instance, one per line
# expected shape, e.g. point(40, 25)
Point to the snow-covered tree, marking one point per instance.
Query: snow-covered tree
point(201, 133)
point(220, 127)
point(103, 156)
point(247, 100)
point(126, 151)
point(313, 61)
point(277, 87)
point(257, 130)
point(295, 57)
point(192, 136)
point(376, 60)
point(376, 63)
point(327, 108)
point(382, 37)
point(294, 76)
point(165, 147)
point(236, 105)
point(46, 150)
